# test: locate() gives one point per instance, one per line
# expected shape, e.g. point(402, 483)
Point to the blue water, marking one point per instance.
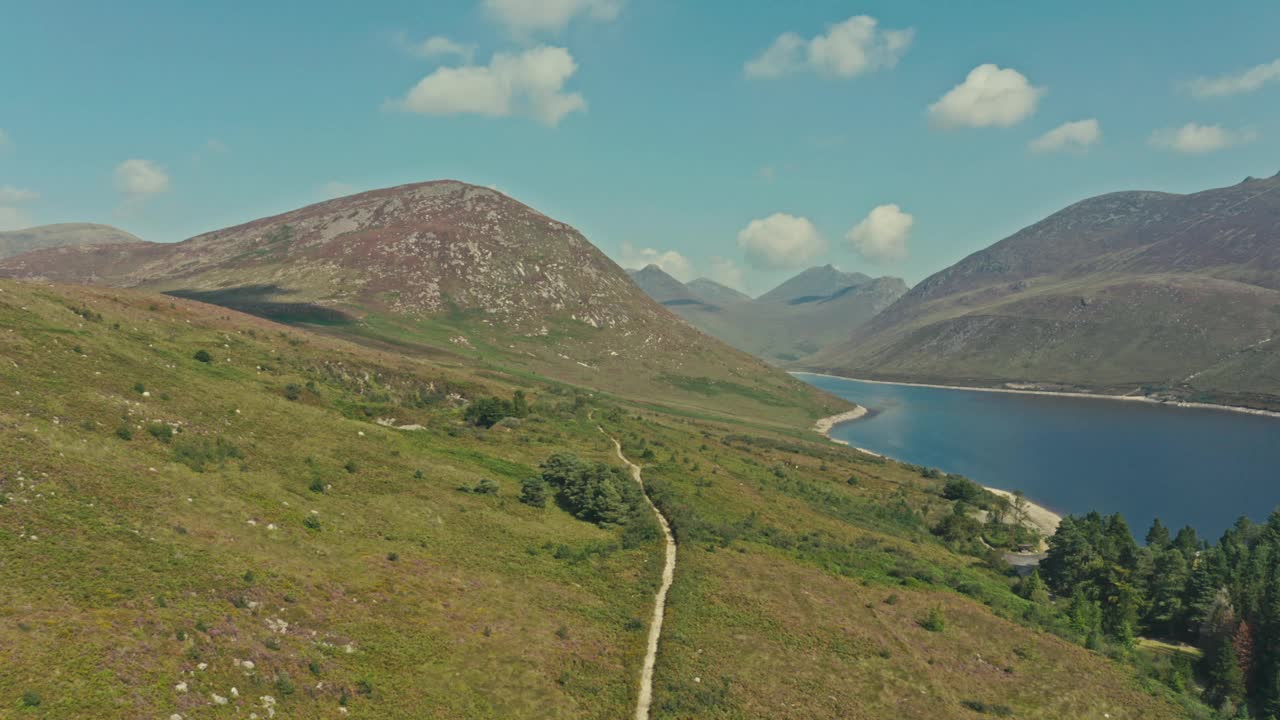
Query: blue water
point(1200, 467)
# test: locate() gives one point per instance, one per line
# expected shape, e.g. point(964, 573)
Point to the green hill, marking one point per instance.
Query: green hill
point(202, 507)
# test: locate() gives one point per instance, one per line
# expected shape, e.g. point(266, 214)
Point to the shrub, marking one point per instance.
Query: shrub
point(201, 453)
point(124, 432)
point(292, 391)
point(533, 491)
point(160, 431)
point(314, 667)
point(312, 522)
point(562, 632)
point(633, 624)
point(203, 356)
point(935, 621)
point(284, 684)
point(961, 488)
point(418, 475)
point(351, 467)
point(139, 388)
point(30, 699)
point(316, 486)
point(486, 487)
point(393, 556)
point(988, 709)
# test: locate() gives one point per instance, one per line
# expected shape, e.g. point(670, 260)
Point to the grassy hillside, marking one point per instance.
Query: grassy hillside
point(196, 500)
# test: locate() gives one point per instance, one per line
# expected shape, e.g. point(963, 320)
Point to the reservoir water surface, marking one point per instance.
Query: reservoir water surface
point(1193, 466)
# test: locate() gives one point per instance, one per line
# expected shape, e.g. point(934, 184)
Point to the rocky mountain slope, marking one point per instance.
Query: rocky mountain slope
point(443, 268)
point(1133, 291)
point(808, 312)
point(16, 242)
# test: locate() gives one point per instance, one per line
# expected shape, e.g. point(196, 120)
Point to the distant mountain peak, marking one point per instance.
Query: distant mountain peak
point(814, 283)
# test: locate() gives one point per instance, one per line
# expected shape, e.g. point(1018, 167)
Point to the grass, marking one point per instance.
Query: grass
point(129, 562)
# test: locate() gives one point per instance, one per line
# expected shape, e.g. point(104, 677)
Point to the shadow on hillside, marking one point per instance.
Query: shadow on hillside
point(261, 300)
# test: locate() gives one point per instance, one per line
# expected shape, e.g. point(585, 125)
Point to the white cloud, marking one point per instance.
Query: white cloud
point(526, 16)
point(848, 49)
point(335, 189)
point(530, 82)
point(140, 178)
point(437, 46)
point(1077, 135)
point(780, 241)
point(989, 96)
point(13, 218)
point(1245, 81)
point(671, 262)
point(882, 235)
point(1197, 139)
point(12, 195)
point(727, 272)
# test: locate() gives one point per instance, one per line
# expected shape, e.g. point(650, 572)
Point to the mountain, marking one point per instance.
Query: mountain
point(449, 270)
point(665, 289)
point(208, 514)
point(16, 242)
point(1166, 294)
point(813, 285)
point(816, 308)
point(714, 293)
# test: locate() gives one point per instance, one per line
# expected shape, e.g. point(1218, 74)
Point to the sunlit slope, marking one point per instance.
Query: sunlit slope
point(167, 519)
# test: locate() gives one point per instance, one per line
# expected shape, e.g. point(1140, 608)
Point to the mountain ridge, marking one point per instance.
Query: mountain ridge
point(1123, 291)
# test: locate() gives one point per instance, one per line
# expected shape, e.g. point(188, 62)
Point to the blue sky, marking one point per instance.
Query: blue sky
point(638, 121)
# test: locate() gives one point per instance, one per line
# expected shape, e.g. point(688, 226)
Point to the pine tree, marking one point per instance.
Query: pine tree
point(1033, 588)
point(1158, 535)
point(1225, 681)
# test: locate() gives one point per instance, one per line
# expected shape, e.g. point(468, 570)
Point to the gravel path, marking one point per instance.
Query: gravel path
point(659, 600)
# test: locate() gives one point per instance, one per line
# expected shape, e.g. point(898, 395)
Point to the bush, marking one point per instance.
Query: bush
point(203, 356)
point(533, 491)
point(201, 453)
point(160, 431)
point(284, 684)
point(292, 391)
point(312, 522)
point(139, 388)
point(935, 621)
point(351, 467)
point(988, 709)
point(316, 486)
point(393, 556)
point(124, 432)
point(486, 487)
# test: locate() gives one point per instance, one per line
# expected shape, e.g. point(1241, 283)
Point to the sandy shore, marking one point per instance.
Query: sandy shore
point(1038, 516)
point(1062, 393)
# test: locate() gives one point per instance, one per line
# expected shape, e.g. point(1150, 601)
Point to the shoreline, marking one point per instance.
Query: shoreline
point(1059, 393)
point(1037, 516)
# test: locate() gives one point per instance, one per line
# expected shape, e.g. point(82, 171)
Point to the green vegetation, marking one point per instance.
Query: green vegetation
point(403, 595)
point(1223, 598)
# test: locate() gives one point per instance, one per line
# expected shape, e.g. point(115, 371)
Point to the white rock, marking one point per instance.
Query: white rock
point(181, 687)
point(235, 693)
point(218, 699)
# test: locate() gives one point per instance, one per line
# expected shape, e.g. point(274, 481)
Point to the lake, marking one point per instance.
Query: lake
point(1193, 466)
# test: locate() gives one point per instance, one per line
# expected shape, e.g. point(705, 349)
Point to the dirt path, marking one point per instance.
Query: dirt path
point(659, 600)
